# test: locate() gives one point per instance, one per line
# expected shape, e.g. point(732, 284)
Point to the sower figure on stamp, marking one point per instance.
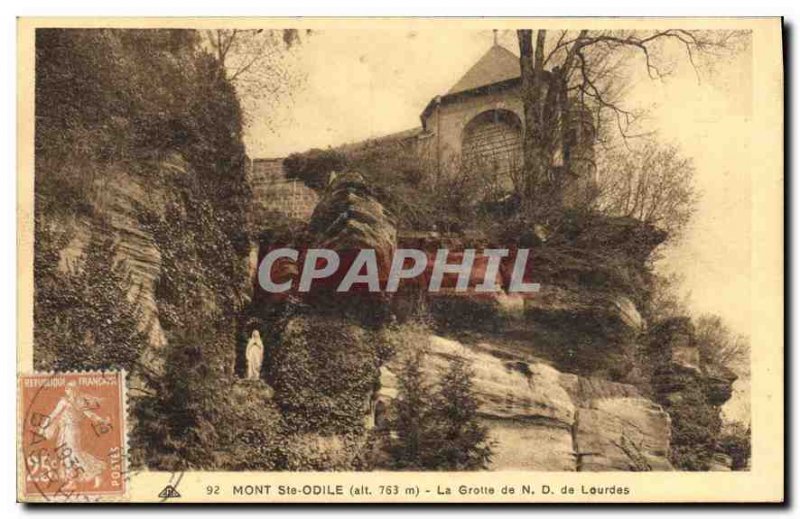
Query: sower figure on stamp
point(254, 353)
point(67, 416)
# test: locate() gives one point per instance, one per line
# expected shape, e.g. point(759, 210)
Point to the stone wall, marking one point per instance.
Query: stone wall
point(449, 120)
point(275, 195)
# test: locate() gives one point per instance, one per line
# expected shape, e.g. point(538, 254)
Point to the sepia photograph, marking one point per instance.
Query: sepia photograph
point(496, 248)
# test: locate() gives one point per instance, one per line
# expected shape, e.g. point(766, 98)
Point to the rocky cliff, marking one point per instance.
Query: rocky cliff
point(137, 132)
point(123, 201)
point(574, 378)
point(546, 420)
point(120, 202)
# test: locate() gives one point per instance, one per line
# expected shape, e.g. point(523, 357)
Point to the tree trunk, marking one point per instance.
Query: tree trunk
point(564, 105)
point(531, 63)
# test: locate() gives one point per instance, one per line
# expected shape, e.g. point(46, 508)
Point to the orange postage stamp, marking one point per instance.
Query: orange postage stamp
point(73, 436)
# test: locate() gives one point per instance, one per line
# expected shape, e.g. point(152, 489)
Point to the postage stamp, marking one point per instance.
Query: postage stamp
point(73, 436)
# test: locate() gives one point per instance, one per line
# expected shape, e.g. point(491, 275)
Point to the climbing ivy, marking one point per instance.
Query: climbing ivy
point(83, 316)
point(323, 371)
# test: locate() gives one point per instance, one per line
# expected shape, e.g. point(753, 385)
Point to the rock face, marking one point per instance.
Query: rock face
point(613, 314)
point(546, 420)
point(677, 363)
point(718, 383)
point(120, 202)
point(624, 433)
point(350, 217)
point(121, 198)
point(692, 391)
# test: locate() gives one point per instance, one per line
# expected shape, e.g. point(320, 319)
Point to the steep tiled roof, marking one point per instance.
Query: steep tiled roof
point(498, 64)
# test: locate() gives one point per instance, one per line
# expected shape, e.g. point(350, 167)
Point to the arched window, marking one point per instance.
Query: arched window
point(492, 142)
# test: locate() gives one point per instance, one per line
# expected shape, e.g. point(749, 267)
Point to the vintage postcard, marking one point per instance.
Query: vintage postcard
point(399, 260)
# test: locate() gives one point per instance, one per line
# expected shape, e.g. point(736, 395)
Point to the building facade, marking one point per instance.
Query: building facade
point(478, 125)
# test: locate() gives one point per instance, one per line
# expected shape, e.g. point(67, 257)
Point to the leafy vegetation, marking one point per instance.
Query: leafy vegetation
point(438, 428)
point(188, 420)
point(406, 185)
point(412, 410)
point(695, 428)
point(84, 318)
point(107, 96)
point(652, 184)
point(323, 371)
point(736, 443)
point(126, 100)
point(689, 395)
point(314, 166)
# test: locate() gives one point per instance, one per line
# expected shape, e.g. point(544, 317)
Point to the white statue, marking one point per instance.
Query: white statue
point(255, 356)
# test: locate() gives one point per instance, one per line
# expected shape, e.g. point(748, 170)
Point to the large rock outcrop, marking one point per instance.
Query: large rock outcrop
point(124, 201)
point(594, 278)
point(347, 219)
point(120, 202)
point(349, 216)
point(691, 389)
point(677, 364)
point(545, 420)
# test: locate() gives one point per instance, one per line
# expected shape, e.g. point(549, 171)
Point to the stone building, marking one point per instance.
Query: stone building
point(480, 119)
point(479, 124)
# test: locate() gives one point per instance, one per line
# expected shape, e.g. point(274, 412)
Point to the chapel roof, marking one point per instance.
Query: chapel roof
point(498, 64)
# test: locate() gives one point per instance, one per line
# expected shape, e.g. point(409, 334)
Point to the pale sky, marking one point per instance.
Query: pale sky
point(367, 83)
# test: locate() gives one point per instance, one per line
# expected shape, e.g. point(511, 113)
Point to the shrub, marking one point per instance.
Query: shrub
point(314, 166)
point(192, 417)
point(460, 440)
point(252, 432)
point(735, 442)
point(412, 421)
point(695, 428)
point(398, 178)
point(324, 370)
point(437, 429)
point(720, 346)
point(651, 183)
point(313, 452)
point(177, 426)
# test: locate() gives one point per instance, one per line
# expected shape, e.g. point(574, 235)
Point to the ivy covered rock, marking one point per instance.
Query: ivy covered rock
point(690, 390)
point(85, 318)
point(139, 143)
point(324, 371)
